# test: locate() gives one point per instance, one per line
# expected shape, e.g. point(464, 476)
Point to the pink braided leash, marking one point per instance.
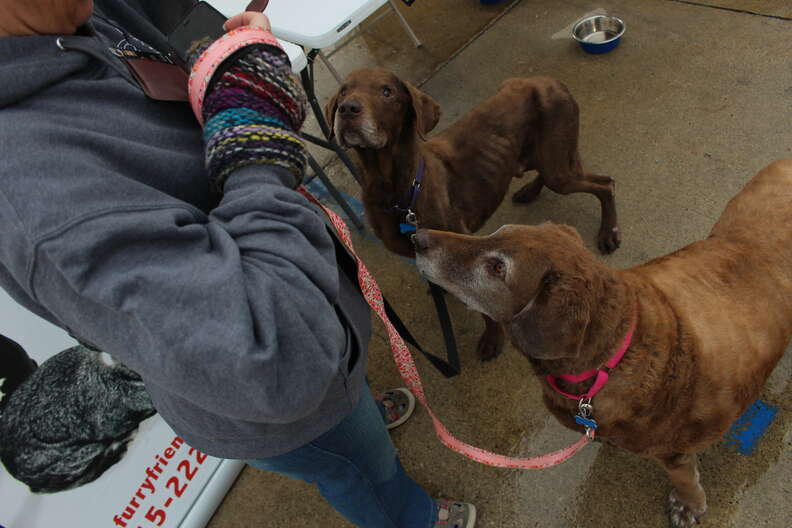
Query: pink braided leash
point(406, 365)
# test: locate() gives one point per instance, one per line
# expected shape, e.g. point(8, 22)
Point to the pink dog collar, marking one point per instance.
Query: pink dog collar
point(602, 374)
point(213, 57)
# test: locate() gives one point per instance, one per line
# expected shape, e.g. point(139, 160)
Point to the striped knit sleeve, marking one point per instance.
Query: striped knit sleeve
point(252, 112)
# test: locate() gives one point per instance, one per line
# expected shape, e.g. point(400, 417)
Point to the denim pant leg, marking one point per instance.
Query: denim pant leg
point(356, 469)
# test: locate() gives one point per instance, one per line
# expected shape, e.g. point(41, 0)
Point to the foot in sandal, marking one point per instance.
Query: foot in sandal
point(452, 514)
point(396, 406)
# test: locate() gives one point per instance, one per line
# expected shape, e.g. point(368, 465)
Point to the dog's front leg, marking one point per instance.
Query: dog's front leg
point(491, 343)
point(687, 502)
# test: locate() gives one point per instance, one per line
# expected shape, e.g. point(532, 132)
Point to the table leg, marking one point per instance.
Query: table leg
point(332, 69)
point(308, 84)
point(407, 27)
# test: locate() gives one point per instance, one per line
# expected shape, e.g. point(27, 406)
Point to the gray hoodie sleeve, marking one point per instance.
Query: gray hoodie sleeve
point(233, 312)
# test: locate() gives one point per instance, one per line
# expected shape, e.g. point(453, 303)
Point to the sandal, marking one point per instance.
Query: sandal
point(455, 514)
point(396, 406)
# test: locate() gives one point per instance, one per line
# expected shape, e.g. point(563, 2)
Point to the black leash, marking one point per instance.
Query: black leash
point(449, 368)
point(408, 227)
point(438, 296)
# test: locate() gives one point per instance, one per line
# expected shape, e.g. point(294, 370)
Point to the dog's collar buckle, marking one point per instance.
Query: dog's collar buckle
point(410, 224)
point(585, 410)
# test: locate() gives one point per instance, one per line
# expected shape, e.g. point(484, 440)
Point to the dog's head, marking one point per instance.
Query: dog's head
point(536, 280)
point(374, 108)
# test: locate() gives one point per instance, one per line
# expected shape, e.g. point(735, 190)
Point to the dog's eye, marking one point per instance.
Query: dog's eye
point(386, 91)
point(342, 93)
point(497, 267)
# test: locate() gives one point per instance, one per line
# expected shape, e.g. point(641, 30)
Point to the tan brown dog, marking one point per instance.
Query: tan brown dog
point(529, 124)
point(713, 319)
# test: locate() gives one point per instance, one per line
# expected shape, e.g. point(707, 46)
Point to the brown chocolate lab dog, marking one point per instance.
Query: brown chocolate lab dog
point(710, 323)
point(465, 171)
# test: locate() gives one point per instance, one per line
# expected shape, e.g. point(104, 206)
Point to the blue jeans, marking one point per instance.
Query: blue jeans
point(356, 469)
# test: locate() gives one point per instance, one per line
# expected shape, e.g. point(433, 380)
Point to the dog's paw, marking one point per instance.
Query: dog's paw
point(609, 240)
point(681, 516)
point(490, 345)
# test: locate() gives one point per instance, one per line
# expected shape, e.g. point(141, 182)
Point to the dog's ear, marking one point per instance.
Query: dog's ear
point(554, 323)
point(426, 109)
point(330, 112)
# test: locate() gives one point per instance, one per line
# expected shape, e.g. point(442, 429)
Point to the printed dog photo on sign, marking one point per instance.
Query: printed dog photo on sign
point(70, 419)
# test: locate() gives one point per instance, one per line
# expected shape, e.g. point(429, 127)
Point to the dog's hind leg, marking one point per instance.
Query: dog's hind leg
point(602, 180)
point(687, 502)
point(529, 192)
point(603, 187)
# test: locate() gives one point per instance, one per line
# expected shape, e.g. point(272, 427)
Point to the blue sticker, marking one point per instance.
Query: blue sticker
point(746, 431)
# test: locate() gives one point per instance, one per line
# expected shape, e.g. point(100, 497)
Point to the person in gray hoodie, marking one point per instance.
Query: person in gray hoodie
point(204, 272)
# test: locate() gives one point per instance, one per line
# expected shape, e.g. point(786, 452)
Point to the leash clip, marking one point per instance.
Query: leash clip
point(410, 225)
point(584, 407)
point(585, 410)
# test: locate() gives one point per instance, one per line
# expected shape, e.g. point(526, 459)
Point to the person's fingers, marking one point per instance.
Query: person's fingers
point(248, 18)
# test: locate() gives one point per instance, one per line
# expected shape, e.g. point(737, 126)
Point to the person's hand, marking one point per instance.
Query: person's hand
point(248, 18)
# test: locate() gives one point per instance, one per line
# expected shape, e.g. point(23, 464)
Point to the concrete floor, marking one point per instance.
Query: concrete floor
point(693, 103)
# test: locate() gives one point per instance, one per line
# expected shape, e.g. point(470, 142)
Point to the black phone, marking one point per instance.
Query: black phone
point(203, 20)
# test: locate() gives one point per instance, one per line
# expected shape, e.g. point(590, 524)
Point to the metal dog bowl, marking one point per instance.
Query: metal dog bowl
point(599, 34)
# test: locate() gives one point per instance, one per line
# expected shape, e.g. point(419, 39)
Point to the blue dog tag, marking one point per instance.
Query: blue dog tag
point(406, 228)
point(586, 422)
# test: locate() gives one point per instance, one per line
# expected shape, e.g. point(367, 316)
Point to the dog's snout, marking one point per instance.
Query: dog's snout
point(350, 108)
point(422, 240)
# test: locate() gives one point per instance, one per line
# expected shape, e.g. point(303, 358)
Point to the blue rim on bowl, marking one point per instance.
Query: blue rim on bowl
point(599, 33)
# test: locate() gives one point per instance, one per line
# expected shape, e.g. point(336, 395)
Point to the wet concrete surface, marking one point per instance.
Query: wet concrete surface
point(691, 105)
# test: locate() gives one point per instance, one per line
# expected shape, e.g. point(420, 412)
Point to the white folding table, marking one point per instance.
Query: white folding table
point(315, 24)
point(328, 22)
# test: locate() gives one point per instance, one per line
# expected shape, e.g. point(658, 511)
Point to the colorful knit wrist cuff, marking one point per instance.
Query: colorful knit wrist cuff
point(213, 57)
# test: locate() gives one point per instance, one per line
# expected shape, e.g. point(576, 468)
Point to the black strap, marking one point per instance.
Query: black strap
point(438, 295)
point(449, 368)
point(348, 265)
